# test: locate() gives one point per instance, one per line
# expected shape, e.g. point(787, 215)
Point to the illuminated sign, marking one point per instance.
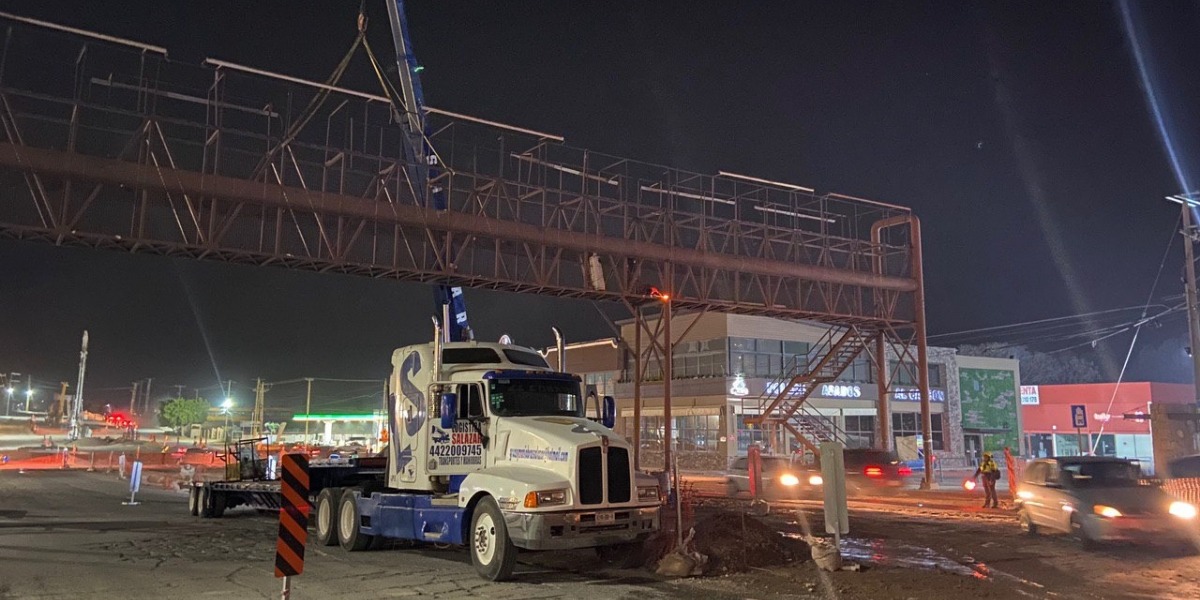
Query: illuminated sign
point(827, 390)
point(739, 388)
point(912, 394)
point(1029, 395)
point(837, 390)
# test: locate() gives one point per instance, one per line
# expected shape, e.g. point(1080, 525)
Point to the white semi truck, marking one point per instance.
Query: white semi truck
point(489, 448)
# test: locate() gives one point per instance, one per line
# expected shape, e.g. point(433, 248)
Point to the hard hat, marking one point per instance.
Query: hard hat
point(987, 454)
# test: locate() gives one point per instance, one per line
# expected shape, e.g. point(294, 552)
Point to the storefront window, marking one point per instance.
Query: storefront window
point(861, 431)
point(691, 432)
point(909, 424)
point(1041, 445)
point(1066, 444)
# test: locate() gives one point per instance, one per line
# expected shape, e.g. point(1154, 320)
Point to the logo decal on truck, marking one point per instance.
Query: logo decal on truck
point(414, 415)
point(556, 455)
point(460, 446)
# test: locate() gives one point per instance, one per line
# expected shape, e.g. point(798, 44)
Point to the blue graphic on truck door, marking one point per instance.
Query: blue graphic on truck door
point(412, 411)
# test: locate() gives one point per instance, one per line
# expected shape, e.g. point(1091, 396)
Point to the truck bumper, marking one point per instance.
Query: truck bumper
point(580, 529)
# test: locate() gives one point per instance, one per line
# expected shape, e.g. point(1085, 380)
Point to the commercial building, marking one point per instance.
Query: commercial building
point(725, 366)
point(1108, 422)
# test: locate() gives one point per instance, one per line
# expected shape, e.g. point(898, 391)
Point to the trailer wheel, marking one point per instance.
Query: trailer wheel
point(194, 501)
point(492, 551)
point(349, 534)
point(204, 501)
point(327, 517)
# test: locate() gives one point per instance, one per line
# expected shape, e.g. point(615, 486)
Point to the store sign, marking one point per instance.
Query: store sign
point(739, 388)
point(912, 394)
point(837, 390)
point(1029, 395)
point(827, 390)
point(1102, 417)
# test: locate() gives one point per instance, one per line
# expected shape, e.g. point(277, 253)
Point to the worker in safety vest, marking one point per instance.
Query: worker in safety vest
point(990, 472)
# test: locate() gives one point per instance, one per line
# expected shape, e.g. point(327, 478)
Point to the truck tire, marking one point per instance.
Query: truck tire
point(218, 504)
point(204, 501)
point(194, 501)
point(350, 535)
point(327, 517)
point(492, 551)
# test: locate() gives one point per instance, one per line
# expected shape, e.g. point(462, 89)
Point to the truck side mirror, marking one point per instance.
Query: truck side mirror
point(449, 410)
point(609, 417)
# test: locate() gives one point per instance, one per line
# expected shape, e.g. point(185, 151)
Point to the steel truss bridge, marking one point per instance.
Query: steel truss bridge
point(109, 144)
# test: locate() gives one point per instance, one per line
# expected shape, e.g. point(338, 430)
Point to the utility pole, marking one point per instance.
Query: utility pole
point(133, 396)
point(148, 410)
point(179, 390)
point(308, 409)
point(1189, 238)
point(77, 405)
point(260, 392)
point(28, 390)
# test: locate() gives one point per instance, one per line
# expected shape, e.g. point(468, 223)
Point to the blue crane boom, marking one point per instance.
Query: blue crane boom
point(423, 161)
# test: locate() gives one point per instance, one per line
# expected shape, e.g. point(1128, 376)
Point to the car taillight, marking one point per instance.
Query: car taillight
point(873, 472)
point(905, 471)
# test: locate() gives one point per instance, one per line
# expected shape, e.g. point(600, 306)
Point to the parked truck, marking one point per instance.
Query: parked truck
point(489, 448)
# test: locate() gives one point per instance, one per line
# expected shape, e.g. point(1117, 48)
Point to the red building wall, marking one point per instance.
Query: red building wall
point(1054, 407)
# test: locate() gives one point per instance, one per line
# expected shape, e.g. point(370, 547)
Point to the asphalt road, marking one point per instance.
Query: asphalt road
point(66, 535)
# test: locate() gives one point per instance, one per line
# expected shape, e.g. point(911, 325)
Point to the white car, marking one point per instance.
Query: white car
point(1100, 499)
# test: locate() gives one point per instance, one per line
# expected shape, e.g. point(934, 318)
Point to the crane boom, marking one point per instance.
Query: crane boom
point(422, 160)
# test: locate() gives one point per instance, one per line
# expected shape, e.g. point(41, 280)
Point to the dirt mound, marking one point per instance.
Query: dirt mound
point(736, 542)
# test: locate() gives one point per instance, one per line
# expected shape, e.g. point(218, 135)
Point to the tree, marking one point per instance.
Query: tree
point(1039, 368)
point(181, 412)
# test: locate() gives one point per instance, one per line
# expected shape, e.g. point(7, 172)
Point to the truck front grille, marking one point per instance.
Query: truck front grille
point(591, 476)
point(618, 475)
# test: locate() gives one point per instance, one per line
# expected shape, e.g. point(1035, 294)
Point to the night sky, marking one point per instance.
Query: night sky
point(1019, 132)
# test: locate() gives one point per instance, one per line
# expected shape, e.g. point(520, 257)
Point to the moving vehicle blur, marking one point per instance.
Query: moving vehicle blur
point(782, 478)
point(1100, 499)
point(873, 470)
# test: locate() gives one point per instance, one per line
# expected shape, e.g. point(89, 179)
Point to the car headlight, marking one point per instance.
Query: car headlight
point(648, 494)
point(789, 480)
point(545, 498)
point(1183, 510)
point(1106, 511)
point(815, 480)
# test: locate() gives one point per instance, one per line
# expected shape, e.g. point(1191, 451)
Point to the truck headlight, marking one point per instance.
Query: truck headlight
point(815, 480)
point(789, 480)
point(1106, 511)
point(1183, 510)
point(648, 494)
point(546, 498)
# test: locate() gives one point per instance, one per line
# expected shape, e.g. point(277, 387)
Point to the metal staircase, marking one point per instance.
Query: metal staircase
point(784, 400)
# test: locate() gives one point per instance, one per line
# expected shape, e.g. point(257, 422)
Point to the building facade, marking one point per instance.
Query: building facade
point(1110, 418)
point(724, 367)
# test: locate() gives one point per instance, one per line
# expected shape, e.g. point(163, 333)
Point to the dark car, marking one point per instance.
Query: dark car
point(870, 469)
point(782, 478)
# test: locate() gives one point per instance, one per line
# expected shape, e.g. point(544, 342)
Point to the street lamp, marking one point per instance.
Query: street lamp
point(225, 408)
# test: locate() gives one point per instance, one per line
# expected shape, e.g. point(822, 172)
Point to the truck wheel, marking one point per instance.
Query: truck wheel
point(349, 533)
point(204, 501)
point(492, 551)
point(194, 501)
point(218, 504)
point(327, 517)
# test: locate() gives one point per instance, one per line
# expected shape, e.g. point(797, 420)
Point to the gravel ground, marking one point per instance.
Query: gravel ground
point(67, 535)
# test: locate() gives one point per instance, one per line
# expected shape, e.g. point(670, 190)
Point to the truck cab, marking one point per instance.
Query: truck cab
point(493, 449)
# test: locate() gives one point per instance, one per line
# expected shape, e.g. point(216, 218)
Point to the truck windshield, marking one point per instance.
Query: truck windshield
point(535, 397)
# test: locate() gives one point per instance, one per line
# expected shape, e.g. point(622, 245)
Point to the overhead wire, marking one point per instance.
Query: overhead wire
point(1137, 330)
